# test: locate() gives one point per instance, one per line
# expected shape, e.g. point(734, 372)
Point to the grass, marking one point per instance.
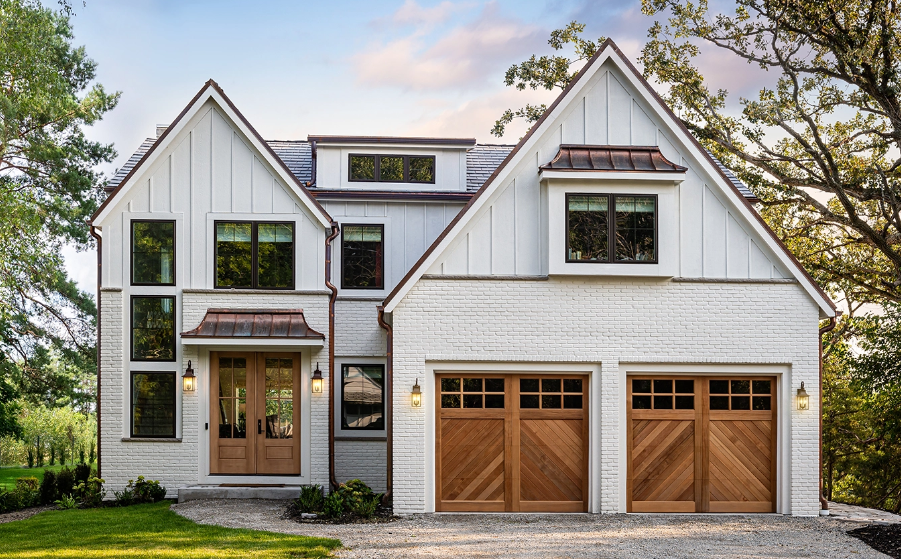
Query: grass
point(140, 531)
point(9, 474)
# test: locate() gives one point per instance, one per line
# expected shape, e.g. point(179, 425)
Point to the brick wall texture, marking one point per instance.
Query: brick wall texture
point(606, 321)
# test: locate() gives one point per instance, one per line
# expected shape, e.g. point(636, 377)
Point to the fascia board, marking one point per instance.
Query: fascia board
point(526, 150)
point(398, 145)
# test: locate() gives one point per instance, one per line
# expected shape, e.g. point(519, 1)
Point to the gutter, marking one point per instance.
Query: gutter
point(824, 504)
point(331, 356)
point(99, 323)
point(389, 423)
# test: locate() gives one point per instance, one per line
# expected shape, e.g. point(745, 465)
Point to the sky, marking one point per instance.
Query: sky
point(399, 67)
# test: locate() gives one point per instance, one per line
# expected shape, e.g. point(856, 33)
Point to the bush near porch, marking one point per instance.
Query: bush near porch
point(150, 530)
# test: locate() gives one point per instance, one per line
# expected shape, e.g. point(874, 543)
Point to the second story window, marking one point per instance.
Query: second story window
point(632, 227)
point(392, 168)
point(153, 253)
point(152, 328)
point(254, 255)
point(362, 257)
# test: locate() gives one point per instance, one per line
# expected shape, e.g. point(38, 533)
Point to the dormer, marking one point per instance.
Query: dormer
point(378, 163)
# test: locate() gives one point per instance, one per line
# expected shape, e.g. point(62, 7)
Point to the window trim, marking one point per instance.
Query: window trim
point(381, 263)
point(132, 251)
point(379, 156)
point(254, 253)
point(131, 330)
point(340, 418)
point(611, 229)
point(131, 408)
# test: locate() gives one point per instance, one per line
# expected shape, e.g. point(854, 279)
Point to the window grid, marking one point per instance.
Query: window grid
point(472, 392)
point(613, 224)
point(152, 414)
point(741, 395)
point(254, 275)
point(550, 393)
point(357, 168)
point(663, 394)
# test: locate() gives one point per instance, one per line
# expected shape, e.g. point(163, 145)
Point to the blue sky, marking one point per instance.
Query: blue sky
point(400, 67)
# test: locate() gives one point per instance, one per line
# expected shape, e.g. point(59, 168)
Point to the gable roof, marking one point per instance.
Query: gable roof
point(211, 90)
point(607, 51)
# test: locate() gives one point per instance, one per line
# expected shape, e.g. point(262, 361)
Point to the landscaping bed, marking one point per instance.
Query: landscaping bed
point(881, 537)
point(382, 514)
point(352, 502)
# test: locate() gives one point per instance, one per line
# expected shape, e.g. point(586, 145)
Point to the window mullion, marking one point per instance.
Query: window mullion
point(254, 255)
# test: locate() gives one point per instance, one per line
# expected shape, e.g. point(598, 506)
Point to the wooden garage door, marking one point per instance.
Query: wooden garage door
point(701, 444)
point(512, 443)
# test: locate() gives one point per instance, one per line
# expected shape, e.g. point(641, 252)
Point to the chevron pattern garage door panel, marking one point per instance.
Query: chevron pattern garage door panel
point(740, 466)
point(663, 465)
point(472, 460)
point(551, 456)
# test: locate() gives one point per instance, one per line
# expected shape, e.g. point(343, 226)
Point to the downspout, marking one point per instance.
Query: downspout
point(824, 504)
point(389, 417)
point(331, 355)
point(99, 323)
point(312, 182)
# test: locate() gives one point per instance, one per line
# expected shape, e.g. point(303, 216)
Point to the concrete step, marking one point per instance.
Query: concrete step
point(195, 492)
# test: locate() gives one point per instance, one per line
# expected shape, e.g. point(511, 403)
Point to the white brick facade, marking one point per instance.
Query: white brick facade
point(608, 322)
point(360, 459)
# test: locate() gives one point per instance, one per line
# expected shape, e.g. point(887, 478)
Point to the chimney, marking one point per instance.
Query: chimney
point(160, 128)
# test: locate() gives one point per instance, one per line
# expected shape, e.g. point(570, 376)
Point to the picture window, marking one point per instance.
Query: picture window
point(152, 328)
point(362, 257)
point(392, 168)
point(153, 253)
point(363, 397)
point(590, 227)
point(254, 255)
point(153, 404)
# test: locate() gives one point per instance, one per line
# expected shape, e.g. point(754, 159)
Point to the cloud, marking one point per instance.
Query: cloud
point(412, 13)
point(473, 53)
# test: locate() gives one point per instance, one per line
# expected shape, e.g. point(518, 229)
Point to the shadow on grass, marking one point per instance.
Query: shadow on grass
point(145, 531)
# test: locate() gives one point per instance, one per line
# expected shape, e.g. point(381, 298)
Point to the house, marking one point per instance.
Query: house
point(595, 319)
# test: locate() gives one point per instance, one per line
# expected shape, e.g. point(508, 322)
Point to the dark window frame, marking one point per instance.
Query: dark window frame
point(381, 263)
point(131, 405)
point(254, 254)
point(132, 252)
point(131, 329)
point(378, 157)
point(341, 408)
point(611, 229)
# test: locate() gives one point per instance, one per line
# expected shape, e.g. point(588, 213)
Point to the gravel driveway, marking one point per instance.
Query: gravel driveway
point(534, 536)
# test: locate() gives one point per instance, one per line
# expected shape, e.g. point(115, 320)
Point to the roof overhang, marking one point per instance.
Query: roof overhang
point(245, 327)
point(393, 141)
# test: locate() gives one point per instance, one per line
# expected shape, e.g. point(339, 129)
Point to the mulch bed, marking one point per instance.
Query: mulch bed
point(382, 514)
point(23, 513)
point(881, 537)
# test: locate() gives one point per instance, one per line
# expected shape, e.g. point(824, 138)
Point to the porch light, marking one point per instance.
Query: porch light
point(803, 398)
point(189, 380)
point(317, 380)
point(416, 396)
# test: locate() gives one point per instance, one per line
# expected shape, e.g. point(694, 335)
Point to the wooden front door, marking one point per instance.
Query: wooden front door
point(512, 443)
point(255, 409)
point(701, 444)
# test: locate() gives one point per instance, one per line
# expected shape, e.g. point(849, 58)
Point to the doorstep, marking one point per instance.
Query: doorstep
point(236, 491)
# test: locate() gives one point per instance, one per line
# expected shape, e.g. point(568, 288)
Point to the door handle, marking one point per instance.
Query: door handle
point(259, 426)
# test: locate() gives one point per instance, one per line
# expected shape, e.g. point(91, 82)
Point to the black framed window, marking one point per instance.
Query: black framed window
point(153, 404)
point(152, 328)
point(391, 168)
point(152, 252)
point(254, 255)
point(363, 397)
point(362, 257)
point(631, 225)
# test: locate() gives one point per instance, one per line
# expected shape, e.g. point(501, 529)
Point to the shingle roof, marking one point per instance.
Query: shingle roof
point(481, 161)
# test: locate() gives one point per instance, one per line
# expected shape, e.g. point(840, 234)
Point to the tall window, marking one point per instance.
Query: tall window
point(254, 255)
point(590, 228)
point(152, 404)
point(392, 168)
point(153, 253)
point(152, 328)
point(363, 397)
point(362, 257)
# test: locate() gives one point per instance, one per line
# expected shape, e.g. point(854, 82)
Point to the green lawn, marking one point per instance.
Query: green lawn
point(144, 531)
point(9, 474)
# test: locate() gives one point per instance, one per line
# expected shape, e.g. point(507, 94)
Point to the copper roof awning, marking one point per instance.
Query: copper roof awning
point(611, 158)
point(253, 326)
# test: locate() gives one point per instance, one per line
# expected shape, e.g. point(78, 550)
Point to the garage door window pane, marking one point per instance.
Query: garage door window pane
point(494, 401)
point(641, 402)
point(472, 400)
point(663, 386)
point(685, 387)
point(494, 385)
point(450, 385)
point(741, 402)
point(572, 402)
point(741, 387)
point(761, 387)
point(641, 385)
point(762, 403)
point(528, 385)
point(719, 402)
point(719, 387)
point(550, 385)
point(663, 402)
point(472, 385)
point(528, 401)
point(572, 385)
point(685, 402)
point(550, 402)
point(450, 400)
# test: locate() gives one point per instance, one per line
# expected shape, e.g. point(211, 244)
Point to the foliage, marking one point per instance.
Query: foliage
point(66, 502)
point(124, 498)
point(82, 473)
point(28, 489)
point(91, 492)
point(145, 490)
point(49, 492)
point(547, 72)
point(333, 505)
point(65, 482)
point(358, 498)
point(146, 531)
point(310, 499)
point(61, 430)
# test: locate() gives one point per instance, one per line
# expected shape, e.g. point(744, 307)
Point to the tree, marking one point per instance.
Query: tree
point(819, 145)
point(48, 189)
point(547, 72)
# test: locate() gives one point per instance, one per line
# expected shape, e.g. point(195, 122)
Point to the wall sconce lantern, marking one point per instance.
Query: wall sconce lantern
point(189, 380)
point(803, 398)
point(416, 396)
point(317, 380)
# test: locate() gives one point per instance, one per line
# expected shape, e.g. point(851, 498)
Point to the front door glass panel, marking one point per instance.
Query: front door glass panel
point(232, 398)
point(279, 398)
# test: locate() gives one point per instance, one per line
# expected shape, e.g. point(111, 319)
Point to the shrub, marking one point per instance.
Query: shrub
point(66, 502)
point(9, 501)
point(91, 492)
point(82, 473)
point(65, 482)
point(146, 490)
point(81, 455)
point(28, 489)
point(310, 499)
point(125, 497)
point(49, 493)
point(353, 492)
point(92, 453)
point(366, 507)
point(333, 505)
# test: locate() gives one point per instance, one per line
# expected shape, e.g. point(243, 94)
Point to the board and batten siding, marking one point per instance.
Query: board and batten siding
point(510, 237)
point(209, 172)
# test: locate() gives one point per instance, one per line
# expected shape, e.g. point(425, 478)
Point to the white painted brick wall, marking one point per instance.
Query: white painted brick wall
point(365, 460)
point(607, 321)
point(357, 330)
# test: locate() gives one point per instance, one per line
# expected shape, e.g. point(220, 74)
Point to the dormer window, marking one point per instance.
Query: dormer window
point(392, 168)
point(591, 225)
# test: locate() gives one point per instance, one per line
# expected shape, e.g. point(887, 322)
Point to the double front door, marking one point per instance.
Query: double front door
point(255, 406)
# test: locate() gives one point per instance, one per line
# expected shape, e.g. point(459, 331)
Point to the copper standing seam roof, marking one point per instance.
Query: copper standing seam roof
point(611, 158)
point(253, 323)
